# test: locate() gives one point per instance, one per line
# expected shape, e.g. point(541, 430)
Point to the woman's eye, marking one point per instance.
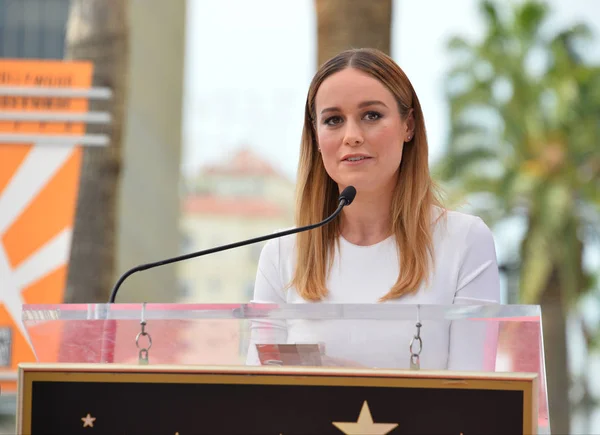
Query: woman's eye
point(372, 116)
point(333, 120)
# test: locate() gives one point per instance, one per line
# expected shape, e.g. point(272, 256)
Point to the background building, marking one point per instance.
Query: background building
point(33, 28)
point(237, 199)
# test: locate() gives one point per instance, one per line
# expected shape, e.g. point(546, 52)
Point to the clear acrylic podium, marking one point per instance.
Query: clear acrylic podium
point(469, 338)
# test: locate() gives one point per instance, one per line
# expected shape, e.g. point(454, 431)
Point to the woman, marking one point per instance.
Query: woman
point(364, 127)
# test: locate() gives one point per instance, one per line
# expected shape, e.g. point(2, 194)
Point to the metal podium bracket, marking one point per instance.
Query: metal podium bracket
point(143, 354)
point(415, 364)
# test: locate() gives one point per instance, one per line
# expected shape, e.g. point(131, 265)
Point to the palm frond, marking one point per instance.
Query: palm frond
point(569, 43)
point(490, 13)
point(459, 44)
point(527, 140)
point(455, 164)
point(529, 18)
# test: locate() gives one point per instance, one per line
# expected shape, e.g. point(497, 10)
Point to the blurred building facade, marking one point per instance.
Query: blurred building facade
point(33, 28)
point(238, 199)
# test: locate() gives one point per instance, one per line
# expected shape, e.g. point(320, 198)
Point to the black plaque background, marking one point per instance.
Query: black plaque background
point(167, 408)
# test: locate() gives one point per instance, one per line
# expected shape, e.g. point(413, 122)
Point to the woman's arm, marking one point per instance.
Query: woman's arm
point(268, 289)
point(473, 343)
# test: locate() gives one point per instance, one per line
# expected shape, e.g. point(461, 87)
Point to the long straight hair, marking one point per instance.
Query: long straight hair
point(412, 205)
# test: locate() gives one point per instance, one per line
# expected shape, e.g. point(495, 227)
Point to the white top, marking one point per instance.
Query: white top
point(465, 272)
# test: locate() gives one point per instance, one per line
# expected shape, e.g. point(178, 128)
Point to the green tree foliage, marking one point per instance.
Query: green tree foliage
point(525, 141)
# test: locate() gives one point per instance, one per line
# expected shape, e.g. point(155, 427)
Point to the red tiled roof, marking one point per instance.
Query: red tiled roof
point(244, 162)
point(248, 207)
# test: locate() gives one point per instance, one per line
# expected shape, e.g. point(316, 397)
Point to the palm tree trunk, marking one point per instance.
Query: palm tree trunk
point(344, 24)
point(97, 31)
point(554, 319)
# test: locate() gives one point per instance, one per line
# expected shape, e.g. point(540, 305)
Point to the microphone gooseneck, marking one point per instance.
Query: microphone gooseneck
point(345, 198)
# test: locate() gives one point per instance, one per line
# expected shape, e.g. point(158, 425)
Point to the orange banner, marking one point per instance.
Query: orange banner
point(38, 193)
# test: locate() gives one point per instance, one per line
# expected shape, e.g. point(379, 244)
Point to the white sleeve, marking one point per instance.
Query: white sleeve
point(478, 277)
point(268, 289)
point(473, 343)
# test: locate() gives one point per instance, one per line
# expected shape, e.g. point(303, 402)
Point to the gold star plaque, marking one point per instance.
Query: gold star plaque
point(88, 420)
point(365, 425)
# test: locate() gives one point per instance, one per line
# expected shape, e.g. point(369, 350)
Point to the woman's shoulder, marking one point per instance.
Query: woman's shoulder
point(460, 226)
point(276, 259)
point(280, 246)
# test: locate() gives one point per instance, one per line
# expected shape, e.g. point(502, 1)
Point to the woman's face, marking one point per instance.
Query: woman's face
point(360, 131)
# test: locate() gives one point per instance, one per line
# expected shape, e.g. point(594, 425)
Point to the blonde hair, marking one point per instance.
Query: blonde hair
point(317, 194)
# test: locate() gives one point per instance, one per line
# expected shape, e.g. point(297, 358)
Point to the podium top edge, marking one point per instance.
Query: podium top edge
point(451, 376)
point(256, 311)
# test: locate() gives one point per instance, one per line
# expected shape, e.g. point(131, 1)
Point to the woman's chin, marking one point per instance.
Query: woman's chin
point(361, 184)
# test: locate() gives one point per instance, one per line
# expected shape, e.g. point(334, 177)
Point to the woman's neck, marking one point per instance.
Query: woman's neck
point(368, 219)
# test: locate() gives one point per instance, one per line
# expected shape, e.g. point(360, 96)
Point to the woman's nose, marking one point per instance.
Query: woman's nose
point(353, 135)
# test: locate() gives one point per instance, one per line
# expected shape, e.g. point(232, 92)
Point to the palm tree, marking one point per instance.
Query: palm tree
point(525, 111)
point(97, 31)
point(344, 24)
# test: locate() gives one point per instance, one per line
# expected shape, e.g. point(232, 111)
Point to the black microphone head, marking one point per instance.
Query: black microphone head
point(347, 195)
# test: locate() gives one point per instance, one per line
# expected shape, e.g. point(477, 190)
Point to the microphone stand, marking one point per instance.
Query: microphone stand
point(345, 198)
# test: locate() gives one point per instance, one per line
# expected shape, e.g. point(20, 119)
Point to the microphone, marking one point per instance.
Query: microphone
point(345, 198)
